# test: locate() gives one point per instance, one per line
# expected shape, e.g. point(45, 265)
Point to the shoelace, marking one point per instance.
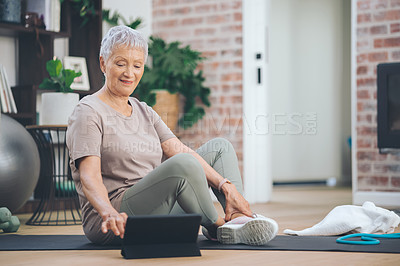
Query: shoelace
point(366, 239)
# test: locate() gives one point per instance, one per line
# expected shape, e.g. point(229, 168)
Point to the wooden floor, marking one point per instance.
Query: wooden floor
point(292, 207)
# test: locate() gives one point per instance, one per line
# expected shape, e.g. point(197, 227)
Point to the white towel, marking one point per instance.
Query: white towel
point(353, 219)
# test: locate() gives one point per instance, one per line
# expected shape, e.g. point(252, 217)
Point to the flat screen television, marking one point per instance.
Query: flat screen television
point(388, 79)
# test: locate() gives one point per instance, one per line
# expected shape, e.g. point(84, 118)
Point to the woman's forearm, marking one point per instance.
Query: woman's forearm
point(97, 196)
point(93, 187)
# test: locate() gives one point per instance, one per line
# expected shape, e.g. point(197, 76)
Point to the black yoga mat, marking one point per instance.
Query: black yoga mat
point(14, 242)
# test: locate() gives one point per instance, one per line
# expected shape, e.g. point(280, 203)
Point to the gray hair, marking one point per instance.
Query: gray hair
point(122, 35)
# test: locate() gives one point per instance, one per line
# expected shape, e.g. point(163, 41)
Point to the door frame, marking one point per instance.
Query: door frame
point(256, 138)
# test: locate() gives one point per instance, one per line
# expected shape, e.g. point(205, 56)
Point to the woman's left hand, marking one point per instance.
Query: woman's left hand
point(235, 202)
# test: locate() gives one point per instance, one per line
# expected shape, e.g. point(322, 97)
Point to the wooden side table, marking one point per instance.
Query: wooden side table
point(59, 202)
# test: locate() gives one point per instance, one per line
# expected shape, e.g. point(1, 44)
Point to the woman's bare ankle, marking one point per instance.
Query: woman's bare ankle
point(236, 215)
point(220, 221)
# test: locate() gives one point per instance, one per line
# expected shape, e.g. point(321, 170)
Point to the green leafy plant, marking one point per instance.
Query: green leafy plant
point(85, 8)
point(114, 19)
point(173, 68)
point(60, 78)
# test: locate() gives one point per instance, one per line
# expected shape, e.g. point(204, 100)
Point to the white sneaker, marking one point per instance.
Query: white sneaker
point(255, 231)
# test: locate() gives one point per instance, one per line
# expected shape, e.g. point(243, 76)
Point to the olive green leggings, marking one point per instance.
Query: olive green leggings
point(179, 184)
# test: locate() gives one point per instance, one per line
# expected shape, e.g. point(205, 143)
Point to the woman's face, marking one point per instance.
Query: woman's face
point(123, 70)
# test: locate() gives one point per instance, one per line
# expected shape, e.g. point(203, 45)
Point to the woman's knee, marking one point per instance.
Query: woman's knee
point(220, 144)
point(187, 166)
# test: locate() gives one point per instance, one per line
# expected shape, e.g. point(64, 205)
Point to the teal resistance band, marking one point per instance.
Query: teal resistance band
point(366, 239)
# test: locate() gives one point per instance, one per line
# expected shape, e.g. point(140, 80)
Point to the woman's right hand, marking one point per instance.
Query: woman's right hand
point(97, 194)
point(115, 222)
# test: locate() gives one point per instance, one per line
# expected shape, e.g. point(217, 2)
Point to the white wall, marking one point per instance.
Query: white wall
point(310, 117)
point(8, 58)
point(130, 10)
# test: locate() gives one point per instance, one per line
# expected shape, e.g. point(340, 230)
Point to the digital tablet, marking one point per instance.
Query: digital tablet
point(160, 236)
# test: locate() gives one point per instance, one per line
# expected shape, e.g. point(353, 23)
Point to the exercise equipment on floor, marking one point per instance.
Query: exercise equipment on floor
point(8, 223)
point(19, 164)
point(366, 239)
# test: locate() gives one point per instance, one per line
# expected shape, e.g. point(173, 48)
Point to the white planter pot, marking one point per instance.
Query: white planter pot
point(56, 107)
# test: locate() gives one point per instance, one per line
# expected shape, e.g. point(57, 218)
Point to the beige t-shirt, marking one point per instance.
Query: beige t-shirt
point(129, 148)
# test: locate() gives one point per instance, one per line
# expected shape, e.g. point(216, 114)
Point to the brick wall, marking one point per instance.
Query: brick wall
point(215, 29)
point(378, 40)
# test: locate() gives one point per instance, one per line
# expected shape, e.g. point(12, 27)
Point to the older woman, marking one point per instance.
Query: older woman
point(117, 145)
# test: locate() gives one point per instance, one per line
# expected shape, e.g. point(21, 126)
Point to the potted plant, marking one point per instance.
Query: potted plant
point(173, 70)
point(171, 73)
point(57, 106)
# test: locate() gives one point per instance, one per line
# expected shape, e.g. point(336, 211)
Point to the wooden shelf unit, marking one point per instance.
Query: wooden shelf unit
point(25, 99)
point(13, 30)
point(36, 47)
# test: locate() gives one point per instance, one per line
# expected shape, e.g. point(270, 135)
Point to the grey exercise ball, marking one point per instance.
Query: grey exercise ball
point(19, 164)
